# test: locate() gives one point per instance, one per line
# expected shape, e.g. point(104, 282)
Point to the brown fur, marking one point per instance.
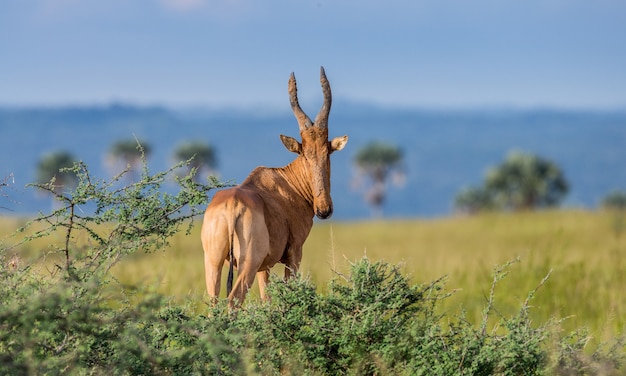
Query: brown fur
point(267, 218)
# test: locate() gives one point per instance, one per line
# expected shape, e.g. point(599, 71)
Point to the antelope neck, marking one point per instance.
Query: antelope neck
point(298, 175)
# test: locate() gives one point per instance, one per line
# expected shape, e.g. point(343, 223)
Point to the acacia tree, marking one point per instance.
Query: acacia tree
point(130, 152)
point(523, 181)
point(377, 162)
point(201, 156)
point(526, 181)
point(615, 200)
point(53, 169)
point(473, 200)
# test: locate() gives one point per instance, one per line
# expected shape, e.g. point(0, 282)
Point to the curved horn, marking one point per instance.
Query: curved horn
point(321, 120)
point(303, 120)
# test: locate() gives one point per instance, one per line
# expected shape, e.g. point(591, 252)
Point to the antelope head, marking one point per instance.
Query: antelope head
point(315, 148)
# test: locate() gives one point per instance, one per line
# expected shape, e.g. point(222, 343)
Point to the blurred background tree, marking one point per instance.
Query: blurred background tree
point(50, 169)
point(615, 200)
point(523, 181)
point(129, 152)
point(527, 181)
point(473, 200)
point(376, 163)
point(203, 154)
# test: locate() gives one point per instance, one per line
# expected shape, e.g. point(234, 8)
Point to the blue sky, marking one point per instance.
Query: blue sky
point(424, 53)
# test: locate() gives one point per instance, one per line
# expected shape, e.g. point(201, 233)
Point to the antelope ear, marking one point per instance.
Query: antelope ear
point(338, 143)
point(291, 144)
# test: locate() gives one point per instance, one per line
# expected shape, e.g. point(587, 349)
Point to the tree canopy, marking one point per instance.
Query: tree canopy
point(200, 155)
point(615, 200)
point(522, 181)
point(378, 158)
point(377, 161)
point(53, 166)
point(474, 199)
point(130, 152)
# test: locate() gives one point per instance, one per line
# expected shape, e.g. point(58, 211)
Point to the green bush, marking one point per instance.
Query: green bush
point(615, 200)
point(78, 319)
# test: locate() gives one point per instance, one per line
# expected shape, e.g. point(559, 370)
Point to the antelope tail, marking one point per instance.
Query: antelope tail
point(229, 280)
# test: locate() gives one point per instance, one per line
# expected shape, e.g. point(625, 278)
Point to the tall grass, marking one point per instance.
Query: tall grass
point(584, 252)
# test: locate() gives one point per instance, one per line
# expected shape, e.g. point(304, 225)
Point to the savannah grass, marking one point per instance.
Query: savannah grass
point(584, 252)
point(474, 295)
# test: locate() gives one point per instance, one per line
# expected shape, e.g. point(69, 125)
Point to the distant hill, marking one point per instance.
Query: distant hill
point(444, 150)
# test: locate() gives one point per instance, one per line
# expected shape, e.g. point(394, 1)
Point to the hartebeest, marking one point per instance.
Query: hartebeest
point(267, 218)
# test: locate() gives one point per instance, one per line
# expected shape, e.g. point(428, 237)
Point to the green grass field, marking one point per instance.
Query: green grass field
point(584, 251)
